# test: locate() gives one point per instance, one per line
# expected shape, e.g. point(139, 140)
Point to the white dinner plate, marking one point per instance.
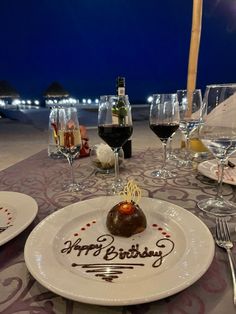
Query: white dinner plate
point(209, 169)
point(17, 211)
point(72, 253)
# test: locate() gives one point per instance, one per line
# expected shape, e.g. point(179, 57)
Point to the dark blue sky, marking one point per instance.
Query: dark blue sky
point(85, 44)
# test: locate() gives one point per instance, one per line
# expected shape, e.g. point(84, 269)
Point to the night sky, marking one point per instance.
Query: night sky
point(85, 44)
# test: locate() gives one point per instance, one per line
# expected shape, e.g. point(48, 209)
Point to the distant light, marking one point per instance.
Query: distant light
point(23, 102)
point(150, 99)
point(29, 102)
point(96, 101)
point(36, 102)
point(84, 101)
point(89, 101)
point(72, 100)
point(16, 102)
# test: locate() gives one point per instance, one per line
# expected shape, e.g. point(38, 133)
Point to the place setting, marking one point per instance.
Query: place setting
point(17, 211)
point(85, 243)
point(209, 168)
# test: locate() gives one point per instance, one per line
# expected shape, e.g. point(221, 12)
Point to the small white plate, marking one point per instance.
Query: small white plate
point(209, 169)
point(17, 211)
point(72, 253)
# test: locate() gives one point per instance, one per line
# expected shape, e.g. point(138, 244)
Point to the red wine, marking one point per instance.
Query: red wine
point(164, 131)
point(114, 135)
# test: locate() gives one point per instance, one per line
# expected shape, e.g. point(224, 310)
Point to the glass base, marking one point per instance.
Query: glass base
point(217, 207)
point(163, 174)
point(172, 156)
point(186, 163)
point(116, 187)
point(73, 187)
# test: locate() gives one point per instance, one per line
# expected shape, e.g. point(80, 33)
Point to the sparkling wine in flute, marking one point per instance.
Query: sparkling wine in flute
point(70, 142)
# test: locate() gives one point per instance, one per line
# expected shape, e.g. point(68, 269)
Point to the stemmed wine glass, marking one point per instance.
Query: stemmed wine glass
point(69, 141)
point(190, 116)
point(164, 121)
point(218, 134)
point(115, 128)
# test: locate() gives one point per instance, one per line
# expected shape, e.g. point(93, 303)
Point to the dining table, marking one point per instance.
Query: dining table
point(42, 178)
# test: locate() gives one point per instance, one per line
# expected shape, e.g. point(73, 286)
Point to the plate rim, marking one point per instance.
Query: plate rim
point(127, 301)
point(8, 235)
point(209, 175)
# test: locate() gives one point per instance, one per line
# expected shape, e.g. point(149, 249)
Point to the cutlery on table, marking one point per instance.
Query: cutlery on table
point(223, 240)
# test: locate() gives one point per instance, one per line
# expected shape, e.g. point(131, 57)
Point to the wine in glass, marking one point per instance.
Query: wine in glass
point(218, 134)
point(115, 128)
point(164, 121)
point(190, 117)
point(69, 141)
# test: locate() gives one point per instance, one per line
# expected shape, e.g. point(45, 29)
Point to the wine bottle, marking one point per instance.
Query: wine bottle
point(119, 109)
point(120, 87)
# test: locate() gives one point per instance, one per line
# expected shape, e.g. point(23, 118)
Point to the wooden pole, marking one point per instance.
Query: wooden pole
point(194, 51)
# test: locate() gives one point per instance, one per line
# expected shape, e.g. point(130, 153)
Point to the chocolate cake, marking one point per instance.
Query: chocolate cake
point(126, 219)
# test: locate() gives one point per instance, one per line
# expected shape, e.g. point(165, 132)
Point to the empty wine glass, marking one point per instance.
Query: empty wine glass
point(69, 141)
point(164, 121)
point(190, 115)
point(115, 128)
point(218, 134)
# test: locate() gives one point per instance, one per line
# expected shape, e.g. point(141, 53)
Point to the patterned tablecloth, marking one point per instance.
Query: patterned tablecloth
point(42, 178)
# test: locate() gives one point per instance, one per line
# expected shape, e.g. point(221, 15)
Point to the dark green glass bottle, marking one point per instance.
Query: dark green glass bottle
point(120, 88)
point(120, 109)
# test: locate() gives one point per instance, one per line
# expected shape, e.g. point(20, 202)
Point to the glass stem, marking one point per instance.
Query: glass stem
point(170, 147)
point(187, 144)
point(70, 160)
point(164, 154)
point(221, 167)
point(117, 171)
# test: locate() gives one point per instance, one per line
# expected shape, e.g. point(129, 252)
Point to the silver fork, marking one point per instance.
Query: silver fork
point(223, 240)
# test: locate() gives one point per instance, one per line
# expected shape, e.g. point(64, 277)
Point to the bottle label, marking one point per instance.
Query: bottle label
point(121, 91)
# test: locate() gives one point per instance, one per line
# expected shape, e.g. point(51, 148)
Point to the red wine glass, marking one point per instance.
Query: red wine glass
point(164, 121)
point(115, 128)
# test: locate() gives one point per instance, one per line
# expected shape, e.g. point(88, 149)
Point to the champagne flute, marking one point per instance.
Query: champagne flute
point(115, 128)
point(190, 116)
point(164, 121)
point(69, 141)
point(218, 134)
